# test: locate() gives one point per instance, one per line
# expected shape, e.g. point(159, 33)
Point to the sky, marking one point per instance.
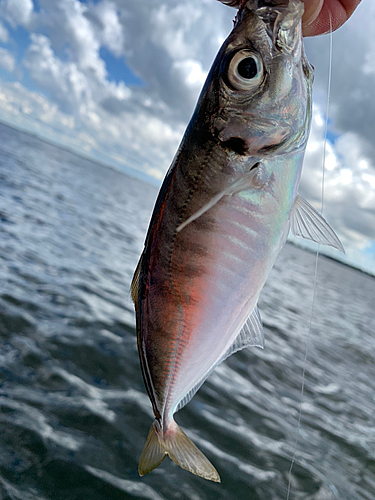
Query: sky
point(117, 80)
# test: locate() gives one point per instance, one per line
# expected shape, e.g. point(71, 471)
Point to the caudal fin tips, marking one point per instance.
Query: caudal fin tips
point(185, 454)
point(146, 466)
point(181, 450)
point(153, 453)
point(210, 475)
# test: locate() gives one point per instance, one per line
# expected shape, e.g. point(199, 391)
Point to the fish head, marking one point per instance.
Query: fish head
point(258, 92)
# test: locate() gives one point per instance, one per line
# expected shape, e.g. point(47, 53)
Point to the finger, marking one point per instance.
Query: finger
point(312, 10)
point(334, 13)
point(232, 3)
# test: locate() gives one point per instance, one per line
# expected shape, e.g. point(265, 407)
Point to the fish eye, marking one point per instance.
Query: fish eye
point(245, 70)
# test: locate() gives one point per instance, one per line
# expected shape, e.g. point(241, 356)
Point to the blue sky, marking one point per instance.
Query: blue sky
point(118, 80)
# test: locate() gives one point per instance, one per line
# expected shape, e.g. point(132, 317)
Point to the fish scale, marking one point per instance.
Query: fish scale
point(221, 218)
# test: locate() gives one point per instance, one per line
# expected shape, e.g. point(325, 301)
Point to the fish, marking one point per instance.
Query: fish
point(223, 213)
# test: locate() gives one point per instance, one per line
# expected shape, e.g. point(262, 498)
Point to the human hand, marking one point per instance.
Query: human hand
point(320, 15)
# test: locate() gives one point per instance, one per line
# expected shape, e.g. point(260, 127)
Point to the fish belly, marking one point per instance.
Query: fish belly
point(201, 295)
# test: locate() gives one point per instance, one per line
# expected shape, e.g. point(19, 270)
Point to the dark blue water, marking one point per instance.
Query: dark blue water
point(74, 415)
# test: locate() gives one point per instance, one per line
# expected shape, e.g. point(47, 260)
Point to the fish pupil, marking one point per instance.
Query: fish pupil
point(247, 68)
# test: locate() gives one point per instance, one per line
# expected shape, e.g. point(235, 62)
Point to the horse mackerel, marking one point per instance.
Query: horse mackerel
point(222, 216)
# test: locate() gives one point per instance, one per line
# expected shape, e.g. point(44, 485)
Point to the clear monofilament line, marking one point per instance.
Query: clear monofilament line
point(327, 109)
point(303, 376)
point(316, 268)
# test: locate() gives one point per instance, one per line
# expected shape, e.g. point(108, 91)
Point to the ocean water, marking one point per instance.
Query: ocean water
point(74, 414)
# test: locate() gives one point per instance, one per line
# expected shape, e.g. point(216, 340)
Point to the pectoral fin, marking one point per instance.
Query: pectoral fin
point(307, 223)
point(242, 184)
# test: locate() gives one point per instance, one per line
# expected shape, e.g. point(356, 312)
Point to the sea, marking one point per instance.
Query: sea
point(74, 414)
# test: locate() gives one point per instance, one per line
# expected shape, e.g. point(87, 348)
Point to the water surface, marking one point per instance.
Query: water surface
point(74, 414)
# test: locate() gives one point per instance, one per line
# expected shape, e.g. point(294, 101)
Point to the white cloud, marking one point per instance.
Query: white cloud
point(349, 200)
point(353, 75)
point(16, 101)
point(64, 81)
point(190, 72)
point(68, 24)
point(172, 26)
point(106, 16)
point(4, 33)
point(65, 62)
point(172, 45)
point(7, 60)
point(72, 85)
point(17, 11)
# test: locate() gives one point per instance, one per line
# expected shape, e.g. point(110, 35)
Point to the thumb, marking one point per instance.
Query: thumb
point(312, 11)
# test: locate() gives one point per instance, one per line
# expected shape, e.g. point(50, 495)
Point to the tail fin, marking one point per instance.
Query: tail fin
point(181, 450)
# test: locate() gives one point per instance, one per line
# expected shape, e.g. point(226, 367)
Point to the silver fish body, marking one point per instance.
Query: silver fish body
point(222, 216)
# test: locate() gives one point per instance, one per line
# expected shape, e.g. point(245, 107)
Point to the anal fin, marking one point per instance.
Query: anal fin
point(251, 335)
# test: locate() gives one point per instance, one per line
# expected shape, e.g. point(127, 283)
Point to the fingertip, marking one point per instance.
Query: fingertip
point(331, 16)
point(312, 11)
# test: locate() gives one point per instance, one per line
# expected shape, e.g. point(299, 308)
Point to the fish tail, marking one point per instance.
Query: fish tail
point(175, 443)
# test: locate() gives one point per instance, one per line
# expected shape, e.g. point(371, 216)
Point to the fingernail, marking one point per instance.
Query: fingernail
point(312, 11)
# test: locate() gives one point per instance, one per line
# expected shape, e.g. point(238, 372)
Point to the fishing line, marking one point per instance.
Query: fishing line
point(316, 263)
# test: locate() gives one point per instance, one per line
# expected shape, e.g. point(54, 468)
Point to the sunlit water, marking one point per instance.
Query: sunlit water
point(74, 414)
